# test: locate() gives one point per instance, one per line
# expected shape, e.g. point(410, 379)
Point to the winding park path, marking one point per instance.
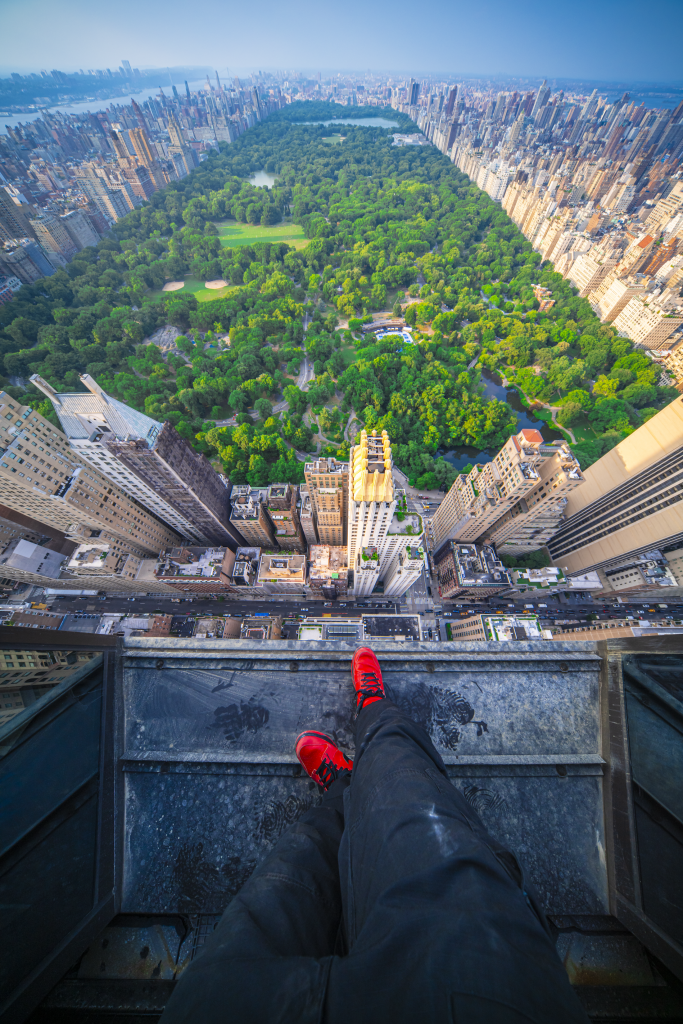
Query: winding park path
point(351, 420)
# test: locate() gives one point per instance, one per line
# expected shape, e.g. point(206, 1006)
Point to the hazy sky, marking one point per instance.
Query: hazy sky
point(597, 39)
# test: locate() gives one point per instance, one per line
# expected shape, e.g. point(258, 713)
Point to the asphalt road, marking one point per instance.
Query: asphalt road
point(199, 606)
point(416, 600)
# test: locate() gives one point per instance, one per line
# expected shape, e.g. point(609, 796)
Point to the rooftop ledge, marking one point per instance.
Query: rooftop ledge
point(338, 650)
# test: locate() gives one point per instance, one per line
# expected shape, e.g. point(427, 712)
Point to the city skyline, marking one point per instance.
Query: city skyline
point(515, 40)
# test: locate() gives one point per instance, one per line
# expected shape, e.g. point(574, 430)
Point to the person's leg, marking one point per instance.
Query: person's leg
point(269, 956)
point(439, 923)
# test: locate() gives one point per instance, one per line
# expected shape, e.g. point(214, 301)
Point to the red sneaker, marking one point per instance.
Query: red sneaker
point(321, 758)
point(367, 678)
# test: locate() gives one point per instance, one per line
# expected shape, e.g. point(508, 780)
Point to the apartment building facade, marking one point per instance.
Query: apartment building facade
point(631, 500)
point(148, 460)
point(516, 501)
point(327, 481)
point(250, 516)
point(284, 515)
point(307, 515)
point(42, 477)
point(646, 323)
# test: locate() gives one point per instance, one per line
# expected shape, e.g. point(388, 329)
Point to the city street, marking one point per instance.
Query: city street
point(201, 606)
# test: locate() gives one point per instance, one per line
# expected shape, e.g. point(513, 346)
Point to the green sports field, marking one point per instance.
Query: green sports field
point(196, 288)
point(232, 233)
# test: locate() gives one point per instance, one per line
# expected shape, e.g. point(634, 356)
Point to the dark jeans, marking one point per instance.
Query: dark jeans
point(388, 902)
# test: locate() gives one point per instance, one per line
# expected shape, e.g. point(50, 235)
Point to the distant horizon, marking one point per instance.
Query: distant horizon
point(437, 74)
point(608, 40)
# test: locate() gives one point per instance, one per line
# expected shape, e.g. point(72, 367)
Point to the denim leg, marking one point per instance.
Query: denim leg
point(439, 923)
point(268, 959)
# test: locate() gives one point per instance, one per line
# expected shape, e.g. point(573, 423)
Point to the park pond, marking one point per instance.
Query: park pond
point(494, 388)
point(263, 178)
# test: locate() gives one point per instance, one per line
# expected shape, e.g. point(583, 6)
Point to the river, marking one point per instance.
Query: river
point(494, 388)
point(83, 106)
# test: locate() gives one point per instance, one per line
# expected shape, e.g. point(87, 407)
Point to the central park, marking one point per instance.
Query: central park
point(265, 289)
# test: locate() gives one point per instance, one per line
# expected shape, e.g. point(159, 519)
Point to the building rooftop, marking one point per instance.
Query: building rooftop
point(230, 753)
point(550, 576)
point(204, 563)
point(512, 627)
point(327, 466)
point(246, 502)
point(279, 493)
point(479, 566)
point(282, 567)
point(26, 556)
point(245, 569)
point(411, 525)
point(327, 560)
point(83, 413)
point(371, 471)
point(391, 627)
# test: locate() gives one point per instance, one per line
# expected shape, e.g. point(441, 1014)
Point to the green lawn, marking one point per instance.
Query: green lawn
point(232, 233)
point(349, 353)
point(584, 432)
point(333, 138)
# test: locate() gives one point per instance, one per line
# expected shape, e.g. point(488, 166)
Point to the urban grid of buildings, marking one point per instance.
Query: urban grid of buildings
point(118, 503)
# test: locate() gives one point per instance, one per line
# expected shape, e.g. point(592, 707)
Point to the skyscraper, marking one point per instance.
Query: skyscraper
point(108, 201)
point(42, 477)
point(179, 147)
point(632, 499)
point(13, 222)
point(541, 98)
point(371, 508)
point(452, 96)
point(328, 485)
point(148, 460)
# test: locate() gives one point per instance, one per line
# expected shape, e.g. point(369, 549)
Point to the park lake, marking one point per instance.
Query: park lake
point(494, 388)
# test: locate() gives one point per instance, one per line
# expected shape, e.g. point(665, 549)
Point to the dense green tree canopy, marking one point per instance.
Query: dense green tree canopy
point(383, 224)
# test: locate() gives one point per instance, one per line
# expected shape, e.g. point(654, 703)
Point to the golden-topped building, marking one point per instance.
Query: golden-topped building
point(371, 508)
